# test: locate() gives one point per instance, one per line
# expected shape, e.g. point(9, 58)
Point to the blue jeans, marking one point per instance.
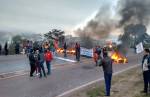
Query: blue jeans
point(42, 69)
point(48, 64)
point(108, 78)
point(146, 77)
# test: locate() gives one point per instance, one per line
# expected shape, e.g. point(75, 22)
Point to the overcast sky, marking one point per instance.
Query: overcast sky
point(40, 16)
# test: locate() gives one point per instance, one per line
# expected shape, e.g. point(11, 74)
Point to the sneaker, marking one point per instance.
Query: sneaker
point(37, 74)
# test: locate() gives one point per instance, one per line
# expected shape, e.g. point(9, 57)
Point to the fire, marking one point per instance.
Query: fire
point(60, 50)
point(118, 58)
point(69, 50)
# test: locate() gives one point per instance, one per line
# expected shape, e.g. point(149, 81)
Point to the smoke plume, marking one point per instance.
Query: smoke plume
point(99, 27)
point(134, 20)
point(134, 12)
point(134, 16)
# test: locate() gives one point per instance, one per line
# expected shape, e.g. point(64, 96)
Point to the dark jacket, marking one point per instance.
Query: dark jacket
point(31, 58)
point(107, 65)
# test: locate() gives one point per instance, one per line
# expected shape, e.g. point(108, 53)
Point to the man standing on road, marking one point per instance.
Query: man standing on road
point(42, 62)
point(48, 59)
point(146, 70)
point(107, 68)
point(32, 63)
point(77, 48)
point(65, 49)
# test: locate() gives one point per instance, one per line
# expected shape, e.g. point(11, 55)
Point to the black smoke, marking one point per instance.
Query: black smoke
point(135, 16)
point(97, 28)
point(134, 12)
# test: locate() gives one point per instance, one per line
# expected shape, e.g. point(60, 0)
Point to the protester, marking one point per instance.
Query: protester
point(65, 49)
point(77, 48)
point(55, 46)
point(41, 53)
point(37, 62)
point(95, 56)
point(32, 63)
point(46, 46)
point(48, 59)
point(6, 48)
point(28, 47)
point(107, 68)
point(146, 70)
point(98, 50)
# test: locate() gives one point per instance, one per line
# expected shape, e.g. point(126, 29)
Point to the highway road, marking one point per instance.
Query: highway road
point(66, 75)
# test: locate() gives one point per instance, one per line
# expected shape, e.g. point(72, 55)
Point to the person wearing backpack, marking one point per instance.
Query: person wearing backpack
point(48, 58)
point(32, 62)
point(146, 70)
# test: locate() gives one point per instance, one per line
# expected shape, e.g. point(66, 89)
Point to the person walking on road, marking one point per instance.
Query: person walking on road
point(107, 68)
point(32, 62)
point(146, 70)
point(41, 53)
point(48, 58)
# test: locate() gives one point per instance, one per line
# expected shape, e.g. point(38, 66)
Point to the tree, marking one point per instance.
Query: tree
point(55, 34)
point(16, 38)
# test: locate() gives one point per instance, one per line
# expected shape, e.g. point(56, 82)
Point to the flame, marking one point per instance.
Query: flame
point(118, 58)
point(69, 51)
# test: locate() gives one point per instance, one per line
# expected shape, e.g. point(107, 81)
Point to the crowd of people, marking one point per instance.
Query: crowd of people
point(37, 57)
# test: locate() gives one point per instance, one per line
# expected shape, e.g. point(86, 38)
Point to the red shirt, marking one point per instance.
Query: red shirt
point(48, 56)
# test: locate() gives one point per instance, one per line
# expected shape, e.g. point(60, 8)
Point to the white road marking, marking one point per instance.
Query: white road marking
point(69, 60)
point(92, 82)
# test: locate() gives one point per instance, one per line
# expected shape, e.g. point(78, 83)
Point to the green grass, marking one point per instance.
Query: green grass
point(95, 92)
point(134, 86)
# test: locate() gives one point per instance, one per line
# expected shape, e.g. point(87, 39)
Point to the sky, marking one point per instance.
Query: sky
point(39, 16)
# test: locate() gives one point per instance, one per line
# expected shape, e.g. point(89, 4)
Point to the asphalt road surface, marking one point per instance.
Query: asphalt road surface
point(65, 76)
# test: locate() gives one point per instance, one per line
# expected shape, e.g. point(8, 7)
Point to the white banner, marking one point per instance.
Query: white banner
point(86, 52)
point(139, 48)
